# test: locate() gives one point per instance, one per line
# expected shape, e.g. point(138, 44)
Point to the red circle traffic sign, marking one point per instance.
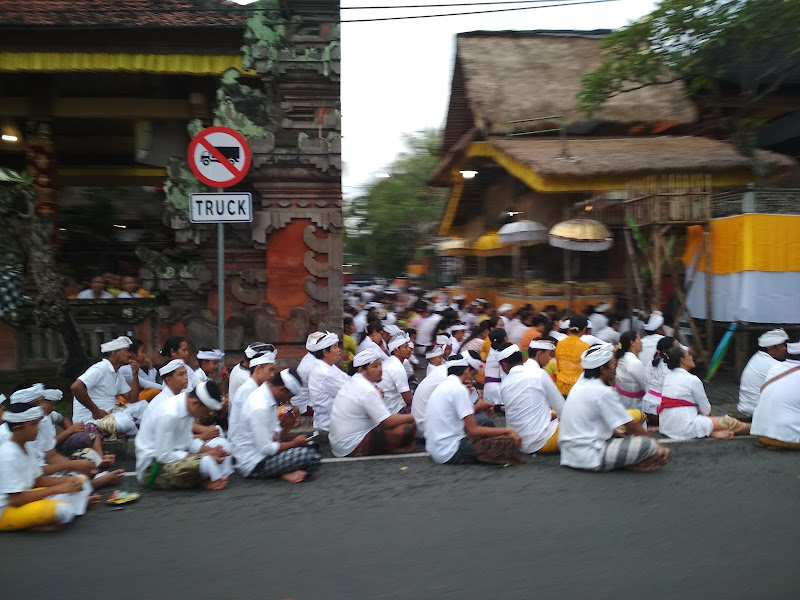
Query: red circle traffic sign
point(219, 156)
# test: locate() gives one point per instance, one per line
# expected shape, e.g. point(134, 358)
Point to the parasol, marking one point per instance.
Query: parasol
point(522, 233)
point(582, 235)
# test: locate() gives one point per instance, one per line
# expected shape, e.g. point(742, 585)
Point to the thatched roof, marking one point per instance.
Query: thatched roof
point(510, 75)
point(631, 157)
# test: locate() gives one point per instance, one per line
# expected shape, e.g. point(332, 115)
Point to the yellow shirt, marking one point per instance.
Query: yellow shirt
point(348, 351)
point(568, 357)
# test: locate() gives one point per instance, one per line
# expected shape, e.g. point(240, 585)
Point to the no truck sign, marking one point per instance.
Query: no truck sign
point(219, 156)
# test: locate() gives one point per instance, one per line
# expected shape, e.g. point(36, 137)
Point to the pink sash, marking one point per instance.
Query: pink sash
point(654, 393)
point(627, 394)
point(673, 403)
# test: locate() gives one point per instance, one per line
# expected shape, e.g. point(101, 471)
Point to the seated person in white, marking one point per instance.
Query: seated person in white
point(532, 400)
point(257, 445)
point(262, 369)
point(394, 381)
point(685, 409)
point(588, 437)
point(241, 372)
point(452, 436)
point(776, 420)
point(175, 375)
point(325, 380)
point(654, 373)
point(301, 400)
point(434, 357)
point(360, 422)
point(208, 360)
point(177, 348)
point(169, 457)
point(630, 382)
point(653, 332)
point(29, 499)
point(148, 386)
point(771, 351)
point(96, 290)
point(423, 393)
point(97, 389)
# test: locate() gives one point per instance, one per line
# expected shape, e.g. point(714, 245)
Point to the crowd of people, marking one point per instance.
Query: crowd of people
point(105, 286)
point(408, 369)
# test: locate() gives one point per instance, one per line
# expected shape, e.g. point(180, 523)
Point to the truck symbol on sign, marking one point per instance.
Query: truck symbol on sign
point(229, 152)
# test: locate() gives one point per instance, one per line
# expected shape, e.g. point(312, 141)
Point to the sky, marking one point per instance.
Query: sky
point(396, 74)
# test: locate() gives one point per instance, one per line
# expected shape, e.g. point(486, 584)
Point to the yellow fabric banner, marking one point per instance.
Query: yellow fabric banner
point(751, 242)
point(50, 62)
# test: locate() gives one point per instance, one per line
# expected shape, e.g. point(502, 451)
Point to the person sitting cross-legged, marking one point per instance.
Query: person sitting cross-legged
point(776, 420)
point(360, 422)
point(257, 445)
point(28, 499)
point(588, 436)
point(452, 435)
point(169, 457)
point(532, 400)
point(325, 380)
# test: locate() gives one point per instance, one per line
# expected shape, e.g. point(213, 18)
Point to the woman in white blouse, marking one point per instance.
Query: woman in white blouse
point(654, 373)
point(685, 410)
point(629, 380)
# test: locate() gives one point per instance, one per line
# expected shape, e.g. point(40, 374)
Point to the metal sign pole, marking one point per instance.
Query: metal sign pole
point(221, 285)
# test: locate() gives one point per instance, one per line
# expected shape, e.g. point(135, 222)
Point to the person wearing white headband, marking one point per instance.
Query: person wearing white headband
point(96, 391)
point(394, 381)
point(434, 357)
point(261, 370)
point(588, 437)
point(208, 364)
point(435, 375)
point(307, 363)
point(452, 434)
point(28, 498)
point(776, 419)
point(771, 352)
point(568, 354)
point(325, 381)
point(360, 422)
point(685, 411)
point(531, 399)
point(653, 332)
point(241, 372)
point(457, 333)
point(263, 450)
point(598, 318)
point(169, 456)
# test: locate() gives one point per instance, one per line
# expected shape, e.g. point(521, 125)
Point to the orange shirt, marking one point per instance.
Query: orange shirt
point(568, 358)
point(531, 333)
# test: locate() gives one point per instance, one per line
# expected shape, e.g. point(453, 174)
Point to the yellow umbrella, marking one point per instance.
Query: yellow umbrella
point(453, 247)
point(489, 244)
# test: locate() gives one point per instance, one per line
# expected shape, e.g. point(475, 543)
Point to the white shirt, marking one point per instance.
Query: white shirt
point(590, 339)
point(447, 407)
point(199, 376)
point(360, 321)
point(103, 385)
point(393, 383)
point(162, 396)
point(588, 420)
point(753, 377)
point(423, 393)
point(357, 410)
point(491, 389)
point(46, 438)
point(649, 343)
point(89, 295)
point(685, 422)
point(529, 395)
point(368, 344)
point(777, 415)
point(238, 376)
point(19, 469)
point(254, 438)
point(427, 330)
point(165, 435)
point(609, 335)
point(304, 370)
point(236, 402)
point(630, 377)
point(147, 379)
point(324, 383)
point(127, 295)
point(654, 381)
point(515, 330)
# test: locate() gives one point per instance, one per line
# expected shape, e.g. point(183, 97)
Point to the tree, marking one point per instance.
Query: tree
point(397, 213)
point(731, 55)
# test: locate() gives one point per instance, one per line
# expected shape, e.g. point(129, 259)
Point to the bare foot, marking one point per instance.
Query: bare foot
point(294, 476)
point(108, 460)
point(722, 435)
point(112, 478)
point(662, 457)
point(217, 484)
point(94, 501)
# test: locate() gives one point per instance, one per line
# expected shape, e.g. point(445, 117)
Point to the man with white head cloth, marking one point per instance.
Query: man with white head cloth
point(394, 381)
point(96, 391)
point(653, 332)
point(262, 369)
point(361, 424)
point(457, 333)
point(598, 318)
point(307, 363)
point(326, 380)
point(241, 372)
point(434, 357)
point(771, 351)
point(259, 451)
point(588, 437)
point(503, 311)
point(169, 457)
point(776, 419)
point(532, 401)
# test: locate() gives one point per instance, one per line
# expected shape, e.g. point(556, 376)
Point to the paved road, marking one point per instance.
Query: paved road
point(719, 522)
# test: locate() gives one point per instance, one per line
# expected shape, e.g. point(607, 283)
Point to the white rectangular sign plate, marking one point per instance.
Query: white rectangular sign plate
point(221, 208)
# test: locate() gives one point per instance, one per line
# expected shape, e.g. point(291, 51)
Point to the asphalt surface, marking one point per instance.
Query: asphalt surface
point(720, 521)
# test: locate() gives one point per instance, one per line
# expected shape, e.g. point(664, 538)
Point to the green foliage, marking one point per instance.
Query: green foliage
point(718, 48)
point(395, 215)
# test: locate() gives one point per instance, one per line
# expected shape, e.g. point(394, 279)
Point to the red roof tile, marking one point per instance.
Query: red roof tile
point(109, 14)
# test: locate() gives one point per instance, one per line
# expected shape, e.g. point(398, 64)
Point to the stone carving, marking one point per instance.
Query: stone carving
point(204, 335)
point(317, 269)
point(312, 241)
point(319, 293)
